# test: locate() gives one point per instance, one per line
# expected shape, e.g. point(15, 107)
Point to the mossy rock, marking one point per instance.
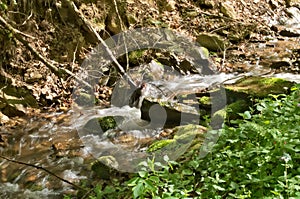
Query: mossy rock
point(104, 166)
point(205, 101)
point(260, 87)
point(185, 134)
point(173, 113)
point(85, 99)
point(212, 42)
point(135, 57)
point(18, 96)
point(231, 111)
point(160, 144)
point(183, 138)
point(102, 124)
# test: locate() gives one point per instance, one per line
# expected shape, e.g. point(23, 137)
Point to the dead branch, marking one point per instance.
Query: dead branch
point(90, 28)
point(57, 71)
point(42, 168)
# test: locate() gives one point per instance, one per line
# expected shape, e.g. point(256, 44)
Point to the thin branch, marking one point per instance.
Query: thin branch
point(42, 168)
point(57, 71)
point(91, 29)
point(122, 29)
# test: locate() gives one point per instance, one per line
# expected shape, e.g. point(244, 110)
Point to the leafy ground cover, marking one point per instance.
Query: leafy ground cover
point(255, 157)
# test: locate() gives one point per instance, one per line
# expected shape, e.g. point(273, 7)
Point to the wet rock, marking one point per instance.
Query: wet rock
point(103, 166)
point(168, 113)
point(102, 124)
point(279, 64)
point(212, 42)
point(85, 99)
point(290, 32)
point(258, 87)
point(184, 137)
point(288, 25)
point(292, 3)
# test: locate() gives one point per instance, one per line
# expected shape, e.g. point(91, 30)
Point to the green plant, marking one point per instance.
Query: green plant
point(253, 158)
point(156, 180)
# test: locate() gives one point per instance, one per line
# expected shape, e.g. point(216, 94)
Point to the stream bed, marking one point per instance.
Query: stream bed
point(57, 143)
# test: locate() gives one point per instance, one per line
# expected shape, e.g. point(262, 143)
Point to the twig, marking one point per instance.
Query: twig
point(53, 68)
point(74, 56)
point(122, 29)
point(42, 168)
point(91, 29)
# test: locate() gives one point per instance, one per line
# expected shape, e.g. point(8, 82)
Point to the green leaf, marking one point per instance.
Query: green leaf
point(138, 190)
point(218, 188)
point(132, 182)
point(247, 115)
point(150, 186)
point(187, 172)
point(154, 179)
point(143, 174)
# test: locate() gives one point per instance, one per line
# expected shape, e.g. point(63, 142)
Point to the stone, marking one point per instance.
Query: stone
point(184, 136)
point(3, 119)
point(290, 32)
point(103, 166)
point(212, 42)
point(231, 111)
point(279, 64)
point(259, 87)
point(207, 4)
point(168, 113)
point(228, 10)
point(290, 3)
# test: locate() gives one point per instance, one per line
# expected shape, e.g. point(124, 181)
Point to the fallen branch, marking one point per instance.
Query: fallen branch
point(42, 168)
point(57, 71)
point(88, 25)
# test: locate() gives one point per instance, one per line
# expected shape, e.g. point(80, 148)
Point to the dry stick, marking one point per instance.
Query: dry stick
point(91, 29)
point(57, 71)
point(122, 29)
point(42, 168)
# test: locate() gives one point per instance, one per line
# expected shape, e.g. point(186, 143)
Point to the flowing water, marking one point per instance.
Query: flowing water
point(58, 142)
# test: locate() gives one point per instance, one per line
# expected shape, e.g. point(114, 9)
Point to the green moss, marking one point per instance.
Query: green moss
point(184, 136)
point(85, 99)
point(205, 100)
point(136, 56)
point(231, 111)
point(100, 125)
point(159, 145)
point(107, 123)
point(260, 86)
